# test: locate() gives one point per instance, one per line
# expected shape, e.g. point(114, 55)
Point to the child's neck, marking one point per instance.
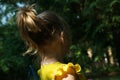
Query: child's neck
point(51, 53)
point(48, 60)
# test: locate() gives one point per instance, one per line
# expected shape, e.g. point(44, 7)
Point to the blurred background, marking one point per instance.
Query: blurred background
point(95, 29)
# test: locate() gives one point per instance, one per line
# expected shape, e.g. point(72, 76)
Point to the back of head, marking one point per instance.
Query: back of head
point(38, 30)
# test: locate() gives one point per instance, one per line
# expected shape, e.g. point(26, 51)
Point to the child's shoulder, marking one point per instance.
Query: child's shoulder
point(68, 68)
point(65, 69)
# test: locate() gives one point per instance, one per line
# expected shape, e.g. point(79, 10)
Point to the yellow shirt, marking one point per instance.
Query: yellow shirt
point(57, 71)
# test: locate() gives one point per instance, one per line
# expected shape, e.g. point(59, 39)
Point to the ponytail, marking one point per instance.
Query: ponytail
point(28, 23)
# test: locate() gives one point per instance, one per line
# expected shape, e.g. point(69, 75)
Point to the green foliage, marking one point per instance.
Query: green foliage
point(11, 59)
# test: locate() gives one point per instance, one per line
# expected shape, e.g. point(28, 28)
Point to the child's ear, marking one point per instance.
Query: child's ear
point(62, 37)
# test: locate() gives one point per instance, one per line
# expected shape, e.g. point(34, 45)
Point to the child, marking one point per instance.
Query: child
point(47, 35)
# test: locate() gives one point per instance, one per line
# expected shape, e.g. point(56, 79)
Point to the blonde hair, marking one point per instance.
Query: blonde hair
point(37, 30)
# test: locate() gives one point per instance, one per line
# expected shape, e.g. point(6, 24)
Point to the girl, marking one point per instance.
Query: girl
point(47, 35)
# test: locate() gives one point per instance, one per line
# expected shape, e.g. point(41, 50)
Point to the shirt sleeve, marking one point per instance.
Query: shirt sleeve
point(65, 69)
